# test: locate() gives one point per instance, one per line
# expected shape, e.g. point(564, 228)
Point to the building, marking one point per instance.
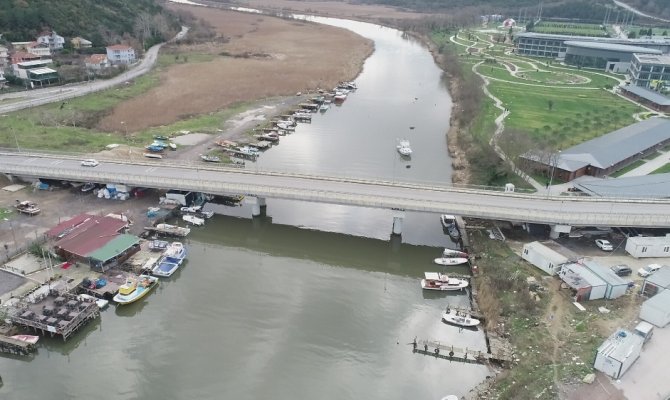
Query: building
point(648, 246)
point(39, 49)
point(655, 186)
point(4, 58)
point(605, 154)
point(611, 57)
point(650, 71)
point(657, 309)
point(120, 54)
point(618, 353)
point(96, 62)
point(647, 97)
point(81, 43)
point(543, 256)
point(554, 46)
point(51, 39)
point(35, 72)
point(23, 56)
point(657, 282)
point(509, 23)
point(588, 286)
point(616, 286)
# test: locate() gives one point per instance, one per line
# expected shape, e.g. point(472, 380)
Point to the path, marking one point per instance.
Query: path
point(638, 12)
point(554, 317)
point(650, 166)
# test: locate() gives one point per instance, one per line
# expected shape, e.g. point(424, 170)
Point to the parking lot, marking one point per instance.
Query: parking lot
point(648, 377)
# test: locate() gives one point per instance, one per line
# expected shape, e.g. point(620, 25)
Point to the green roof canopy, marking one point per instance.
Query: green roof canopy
point(114, 247)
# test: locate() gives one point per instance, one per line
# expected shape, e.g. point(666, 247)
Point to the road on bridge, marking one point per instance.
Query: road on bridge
point(557, 210)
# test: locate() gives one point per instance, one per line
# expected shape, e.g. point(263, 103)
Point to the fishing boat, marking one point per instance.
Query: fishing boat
point(440, 281)
point(171, 260)
point(453, 253)
point(135, 288)
point(324, 107)
point(158, 245)
point(153, 155)
point(193, 220)
point(208, 158)
point(447, 220)
point(31, 339)
point(459, 318)
point(101, 303)
point(168, 229)
point(404, 148)
point(249, 151)
point(450, 260)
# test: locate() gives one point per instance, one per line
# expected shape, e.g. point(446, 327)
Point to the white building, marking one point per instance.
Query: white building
point(656, 282)
point(587, 284)
point(648, 246)
point(38, 49)
point(542, 256)
point(618, 353)
point(657, 309)
point(51, 39)
point(120, 54)
point(97, 62)
point(616, 286)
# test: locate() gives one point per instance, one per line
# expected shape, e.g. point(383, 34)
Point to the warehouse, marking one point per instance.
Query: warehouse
point(657, 309)
point(618, 353)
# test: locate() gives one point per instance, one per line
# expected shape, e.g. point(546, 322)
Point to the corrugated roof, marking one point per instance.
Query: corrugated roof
point(647, 94)
point(603, 272)
point(33, 63)
point(654, 186)
point(42, 71)
point(549, 36)
point(661, 277)
point(89, 235)
point(659, 301)
point(649, 240)
point(114, 247)
point(621, 347)
point(547, 252)
point(620, 48)
point(614, 147)
point(578, 276)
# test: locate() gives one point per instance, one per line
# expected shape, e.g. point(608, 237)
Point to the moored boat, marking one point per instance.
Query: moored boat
point(32, 339)
point(449, 223)
point(458, 318)
point(208, 158)
point(193, 220)
point(158, 245)
point(404, 147)
point(450, 260)
point(440, 281)
point(135, 288)
point(453, 253)
point(101, 303)
point(171, 260)
point(324, 107)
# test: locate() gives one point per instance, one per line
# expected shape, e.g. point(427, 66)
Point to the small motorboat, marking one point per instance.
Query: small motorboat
point(161, 137)
point(153, 155)
point(205, 214)
point(454, 253)
point(208, 158)
point(450, 260)
point(404, 148)
point(249, 151)
point(440, 281)
point(324, 107)
point(193, 220)
point(155, 148)
point(31, 339)
point(171, 260)
point(135, 288)
point(158, 245)
point(172, 146)
point(192, 209)
point(101, 303)
point(458, 318)
point(447, 220)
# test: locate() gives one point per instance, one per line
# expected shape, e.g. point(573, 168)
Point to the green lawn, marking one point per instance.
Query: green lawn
point(663, 170)
point(628, 168)
point(571, 28)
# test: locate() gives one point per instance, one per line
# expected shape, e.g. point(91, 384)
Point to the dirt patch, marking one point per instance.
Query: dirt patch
point(297, 56)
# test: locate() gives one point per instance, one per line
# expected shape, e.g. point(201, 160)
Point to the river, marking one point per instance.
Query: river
point(309, 301)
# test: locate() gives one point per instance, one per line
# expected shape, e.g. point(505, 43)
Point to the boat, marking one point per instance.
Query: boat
point(192, 219)
point(447, 220)
point(171, 260)
point(158, 245)
point(450, 260)
point(284, 125)
point(27, 207)
point(458, 318)
point(453, 232)
point(101, 303)
point(454, 253)
point(208, 158)
point(31, 339)
point(324, 107)
point(273, 137)
point(168, 229)
point(440, 281)
point(172, 146)
point(249, 151)
point(155, 148)
point(135, 288)
point(340, 97)
point(161, 137)
point(152, 155)
point(404, 147)
point(176, 252)
point(205, 214)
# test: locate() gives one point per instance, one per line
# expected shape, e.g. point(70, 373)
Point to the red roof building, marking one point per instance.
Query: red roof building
point(84, 234)
point(22, 56)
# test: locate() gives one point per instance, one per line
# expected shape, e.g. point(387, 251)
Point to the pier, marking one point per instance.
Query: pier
point(453, 353)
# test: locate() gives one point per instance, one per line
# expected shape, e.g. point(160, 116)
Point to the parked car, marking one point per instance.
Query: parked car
point(622, 270)
point(648, 270)
point(604, 245)
point(90, 163)
point(88, 187)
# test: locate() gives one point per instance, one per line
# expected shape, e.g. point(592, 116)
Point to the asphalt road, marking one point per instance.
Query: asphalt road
point(32, 98)
point(565, 210)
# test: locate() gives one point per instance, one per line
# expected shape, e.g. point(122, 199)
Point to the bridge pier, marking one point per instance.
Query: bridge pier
point(257, 205)
point(556, 230)
point(398, 217)
point(10, 178)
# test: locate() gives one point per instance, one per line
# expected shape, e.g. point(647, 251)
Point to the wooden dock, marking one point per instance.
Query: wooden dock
point(453, 353)
point(466, 311)
point(13, 346)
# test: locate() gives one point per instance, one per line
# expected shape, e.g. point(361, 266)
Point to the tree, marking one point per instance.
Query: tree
point(665, 33)
point(530, 26)
point(510, 31)
point(632, 35)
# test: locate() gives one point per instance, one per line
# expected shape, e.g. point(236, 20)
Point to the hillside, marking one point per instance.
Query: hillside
point(99, 21)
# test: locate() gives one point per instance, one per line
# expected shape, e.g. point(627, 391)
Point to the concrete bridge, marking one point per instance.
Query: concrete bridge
point(560, 212)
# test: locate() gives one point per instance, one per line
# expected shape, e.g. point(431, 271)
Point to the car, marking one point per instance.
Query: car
point(648, 270)
point(88, 187)
point(604, 245)
point(622, 270)
point(90, 163)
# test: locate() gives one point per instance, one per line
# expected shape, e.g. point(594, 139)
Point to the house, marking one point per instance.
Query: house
point(616, 286)
point(81, 43)
point(618, 353)
point(588, 286)
point(38, 49)
point(22, 56)
point(657, 309)
point(35, 71)
point(648, 246)
point(656, 282)
point(120, 54)
point(51, 39)
point(97, 62)
point(4, 58)
point(543, 256)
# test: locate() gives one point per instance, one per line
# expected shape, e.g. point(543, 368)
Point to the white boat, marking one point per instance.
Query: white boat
point(101, 303)
point(171, 260)
point(440, 281)
point(192, 219)
point(205, 214)
point(447, 219)
point(249, 151)
point(192, 209)
point(324, 107)
point(172, 230)
point(457, 318)
point(152, 155)
point(450, 260)
point(31, 339)
point(404, 147)
point(453, 253)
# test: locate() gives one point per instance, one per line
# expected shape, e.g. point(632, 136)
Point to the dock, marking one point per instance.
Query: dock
point(453, 353)
point(466, 311)
point(168, 230)
point(14, 346)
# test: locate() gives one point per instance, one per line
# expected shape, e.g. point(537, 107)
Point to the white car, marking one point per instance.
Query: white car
point(648, 270)
point(604, 245)
point(90, 163)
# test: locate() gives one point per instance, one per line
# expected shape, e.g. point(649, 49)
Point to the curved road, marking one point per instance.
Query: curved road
point(573, 211)
point(638, 12)
point(37, 97)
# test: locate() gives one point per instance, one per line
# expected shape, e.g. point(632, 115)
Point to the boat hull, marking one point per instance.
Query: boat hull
point(165, 268)
point(138, 293)
point(451, 261)
point(460, 320)
point(426, 285)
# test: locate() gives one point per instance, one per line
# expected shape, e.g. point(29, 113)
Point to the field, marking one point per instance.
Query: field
point(575, 29)
point(662, 170)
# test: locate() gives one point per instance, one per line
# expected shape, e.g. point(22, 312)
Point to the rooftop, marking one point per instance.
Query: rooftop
point(114, 247)
point(545, 249)
point(649, 240)
point(603, 272)
point(622, 48)
point(661, 277)
point(95, 58)
point(621, 345)
point(84, 233)
point(578, 276)
point(661, 300)
point(43, 71)
point(653, 59)
point(654, 186)
point(34, 63)
point(647, 94)
point(535, 35)
point(119, 47)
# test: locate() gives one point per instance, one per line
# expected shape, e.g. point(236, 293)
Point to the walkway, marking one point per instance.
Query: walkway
point(650, 166)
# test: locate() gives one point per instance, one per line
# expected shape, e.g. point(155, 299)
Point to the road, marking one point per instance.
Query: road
point(638, 12)
point(544, 209)
point(37, 97)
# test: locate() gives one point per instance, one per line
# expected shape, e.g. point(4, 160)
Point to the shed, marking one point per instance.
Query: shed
point(542, 256)
point(616, 286)
point(648, 246)
point(587, 284)
point(657, 309)
point(657, 282)
point(618, 353)
point(114, 251)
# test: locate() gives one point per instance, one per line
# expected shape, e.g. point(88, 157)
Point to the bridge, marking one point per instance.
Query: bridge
point(560, 212)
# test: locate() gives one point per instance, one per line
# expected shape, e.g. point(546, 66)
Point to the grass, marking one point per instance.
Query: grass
point(570, 29)
point(628, 168)
point(5, 213)
point(662, 170)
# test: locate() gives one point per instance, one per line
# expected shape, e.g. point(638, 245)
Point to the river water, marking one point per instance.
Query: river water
point(305, 302)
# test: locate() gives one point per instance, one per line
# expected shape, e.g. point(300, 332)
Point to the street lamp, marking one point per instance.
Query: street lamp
point(553, 167)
